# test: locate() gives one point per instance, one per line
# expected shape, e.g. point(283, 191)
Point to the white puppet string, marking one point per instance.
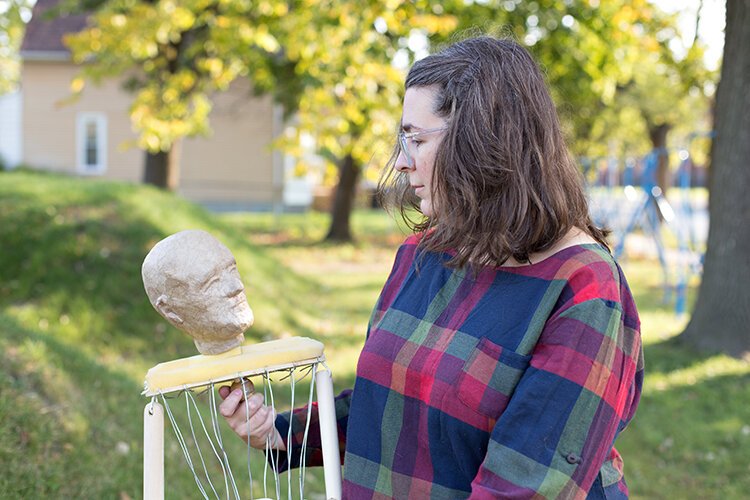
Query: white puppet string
point(189, 398)
point(247, 425)
point(273, 454)
point(289, 440)
point(303, 451)
point(219, 452)
point(183, 445)
point(302, 464)
point(227, 469)
point(224, 463)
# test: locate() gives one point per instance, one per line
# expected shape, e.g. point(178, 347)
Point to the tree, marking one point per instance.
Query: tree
point(353, 92)
point(721, 319)
point(172, 56)
point(13, 15)
point(667, 90)
point(343, 56)
point(338, 66)
point(329, 62)
point(605, 62)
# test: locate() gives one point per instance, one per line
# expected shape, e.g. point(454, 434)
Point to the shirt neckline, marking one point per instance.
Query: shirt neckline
point(487, 274)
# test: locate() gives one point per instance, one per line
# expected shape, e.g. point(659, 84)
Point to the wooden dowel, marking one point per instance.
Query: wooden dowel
point(328, 434)
point(153, 451)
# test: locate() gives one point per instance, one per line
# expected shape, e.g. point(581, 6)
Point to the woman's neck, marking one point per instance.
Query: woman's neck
point(575, 236)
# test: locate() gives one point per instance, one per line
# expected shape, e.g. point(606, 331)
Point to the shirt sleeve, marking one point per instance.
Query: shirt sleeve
point(577, 394)
point(313, 452)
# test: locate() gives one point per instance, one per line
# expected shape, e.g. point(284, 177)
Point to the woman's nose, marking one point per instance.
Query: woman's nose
point(401, 164)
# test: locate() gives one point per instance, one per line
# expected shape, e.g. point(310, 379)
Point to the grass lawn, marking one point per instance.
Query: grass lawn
point(77, 334)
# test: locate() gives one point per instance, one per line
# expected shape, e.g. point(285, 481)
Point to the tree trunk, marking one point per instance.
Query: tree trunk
point(658, 135)
point(162, 169)
point(721, 320)
point(343, 201)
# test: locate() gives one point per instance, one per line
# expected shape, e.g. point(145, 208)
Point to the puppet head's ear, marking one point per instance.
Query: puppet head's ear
point(162, 305)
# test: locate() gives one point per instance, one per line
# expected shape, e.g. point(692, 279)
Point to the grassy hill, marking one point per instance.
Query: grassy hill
point(77, 335)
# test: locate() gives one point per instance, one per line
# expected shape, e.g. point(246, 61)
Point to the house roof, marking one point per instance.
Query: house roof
point(43, 38)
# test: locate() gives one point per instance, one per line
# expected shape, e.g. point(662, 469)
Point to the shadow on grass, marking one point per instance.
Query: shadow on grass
point(71, 426)
point(670, 355)
point(691, 435)
point(67, 421)
point(72, 252)
point(690, 439)
point(75, 321)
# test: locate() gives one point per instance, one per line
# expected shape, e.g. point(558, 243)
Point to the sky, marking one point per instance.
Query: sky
point(710, 30)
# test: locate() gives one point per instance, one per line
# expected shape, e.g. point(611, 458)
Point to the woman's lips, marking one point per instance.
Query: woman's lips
point(417, 189)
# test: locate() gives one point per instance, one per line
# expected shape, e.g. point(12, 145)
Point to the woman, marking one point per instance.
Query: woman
point(503, 356)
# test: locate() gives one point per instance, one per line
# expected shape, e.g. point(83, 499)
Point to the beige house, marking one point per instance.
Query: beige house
point(234, 168)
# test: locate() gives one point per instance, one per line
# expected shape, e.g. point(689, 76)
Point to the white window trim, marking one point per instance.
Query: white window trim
point(82, 119)
point(11, 138)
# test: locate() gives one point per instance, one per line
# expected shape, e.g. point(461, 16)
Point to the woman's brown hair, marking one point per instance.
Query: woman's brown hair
point(504, 184)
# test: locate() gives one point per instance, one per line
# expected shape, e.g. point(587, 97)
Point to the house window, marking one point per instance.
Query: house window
point(92, 143)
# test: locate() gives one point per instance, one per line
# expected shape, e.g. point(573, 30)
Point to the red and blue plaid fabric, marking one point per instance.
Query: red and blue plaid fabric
point(513, 383)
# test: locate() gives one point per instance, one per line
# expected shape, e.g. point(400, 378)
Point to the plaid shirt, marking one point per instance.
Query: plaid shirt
point(510, 384)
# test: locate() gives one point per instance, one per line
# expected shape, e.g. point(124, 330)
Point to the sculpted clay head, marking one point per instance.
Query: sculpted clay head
point(192, 280)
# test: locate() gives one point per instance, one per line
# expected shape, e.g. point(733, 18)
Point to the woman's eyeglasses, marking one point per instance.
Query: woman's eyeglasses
point(403, 142)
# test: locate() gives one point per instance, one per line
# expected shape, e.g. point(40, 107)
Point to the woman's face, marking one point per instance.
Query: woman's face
point(424, 131)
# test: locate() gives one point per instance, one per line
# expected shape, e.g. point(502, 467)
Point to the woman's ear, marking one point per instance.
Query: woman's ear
point(162, 305)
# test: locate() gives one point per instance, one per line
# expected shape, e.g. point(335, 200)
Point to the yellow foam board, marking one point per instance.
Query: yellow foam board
point(242, 361)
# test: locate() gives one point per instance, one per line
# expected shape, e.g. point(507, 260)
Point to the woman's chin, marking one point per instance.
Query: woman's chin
point(426, 208)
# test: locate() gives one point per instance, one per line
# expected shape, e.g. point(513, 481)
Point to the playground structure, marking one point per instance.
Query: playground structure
point(628, 200)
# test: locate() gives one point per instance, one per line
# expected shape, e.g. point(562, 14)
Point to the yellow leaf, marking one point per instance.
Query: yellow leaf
point(77, 84)
point(118, 20)
point(267, 41)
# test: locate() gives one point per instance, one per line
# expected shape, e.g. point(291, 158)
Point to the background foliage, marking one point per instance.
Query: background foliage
point(13, 16)
point(338, 69)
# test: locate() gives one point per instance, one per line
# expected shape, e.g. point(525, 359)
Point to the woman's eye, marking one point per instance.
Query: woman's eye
point(417, 142)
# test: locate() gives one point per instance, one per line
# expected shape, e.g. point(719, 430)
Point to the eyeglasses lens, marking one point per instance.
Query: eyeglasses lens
point(404, 144)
